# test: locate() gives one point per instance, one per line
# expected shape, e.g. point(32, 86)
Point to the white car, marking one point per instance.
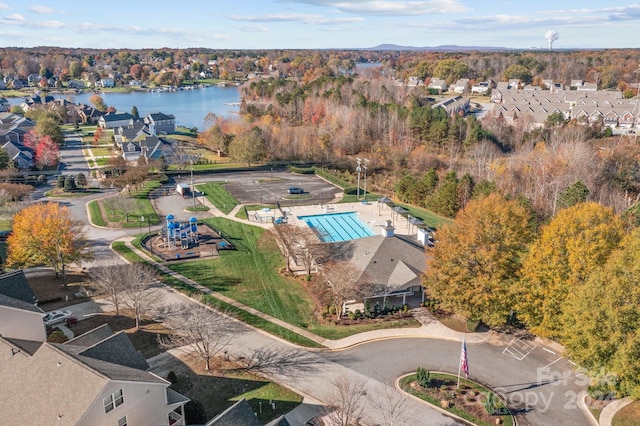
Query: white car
point(56, 317)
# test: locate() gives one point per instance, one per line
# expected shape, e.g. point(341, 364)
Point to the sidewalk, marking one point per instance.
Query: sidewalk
point(431, 328)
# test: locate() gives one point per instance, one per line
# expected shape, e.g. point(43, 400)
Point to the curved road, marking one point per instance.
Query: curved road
point(542, 385)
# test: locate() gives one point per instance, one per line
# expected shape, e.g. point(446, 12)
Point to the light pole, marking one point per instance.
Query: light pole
point(140, 224)
point(272, 174)
point(358, 169)
point(366, 163)
point(193, 188)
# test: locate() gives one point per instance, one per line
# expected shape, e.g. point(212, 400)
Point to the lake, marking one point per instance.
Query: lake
point(190, 107)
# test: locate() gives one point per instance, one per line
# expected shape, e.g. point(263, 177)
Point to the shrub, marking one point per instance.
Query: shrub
point(69, 183)
point(172, 377)
point(60, 182)
point(423, 377)
point(490, 403)
point(194, 412)
point(57, 336)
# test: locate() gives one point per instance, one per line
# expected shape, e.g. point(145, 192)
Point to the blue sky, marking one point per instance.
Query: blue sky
point(310, 24)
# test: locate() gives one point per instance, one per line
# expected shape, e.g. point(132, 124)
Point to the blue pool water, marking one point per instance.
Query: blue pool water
point(334, 227)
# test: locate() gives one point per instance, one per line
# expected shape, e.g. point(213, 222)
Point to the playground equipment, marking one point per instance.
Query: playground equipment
point(174, 232)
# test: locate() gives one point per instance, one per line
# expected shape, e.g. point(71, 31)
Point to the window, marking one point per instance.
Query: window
point(122, 421)
point(113, 400)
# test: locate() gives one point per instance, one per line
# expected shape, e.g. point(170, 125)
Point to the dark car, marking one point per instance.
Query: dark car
point(296, 190)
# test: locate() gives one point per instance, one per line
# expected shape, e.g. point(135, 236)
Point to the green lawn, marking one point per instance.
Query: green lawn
point(218, 195)
point(101, 152)
point(5, 224)
point(144, 210)
point(251, 276)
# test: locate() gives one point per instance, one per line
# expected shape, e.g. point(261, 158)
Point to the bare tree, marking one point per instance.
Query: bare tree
point(201, 328)
point(345, 402)
point(390, 408)
point(342, 279)
point(108, 279)
point(285, 237)
point(307, 247)
point(140, 295)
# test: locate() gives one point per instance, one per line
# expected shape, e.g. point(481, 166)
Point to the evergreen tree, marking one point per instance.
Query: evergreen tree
point(575, 193)
point(134, 111)
point(69, 183)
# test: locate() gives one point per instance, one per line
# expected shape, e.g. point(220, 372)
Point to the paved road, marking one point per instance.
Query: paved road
point(542, 384)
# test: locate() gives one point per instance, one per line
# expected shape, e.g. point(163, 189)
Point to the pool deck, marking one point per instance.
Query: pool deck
point(372, 213)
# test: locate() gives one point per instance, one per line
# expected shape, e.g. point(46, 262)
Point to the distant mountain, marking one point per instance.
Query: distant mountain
point(443, 48)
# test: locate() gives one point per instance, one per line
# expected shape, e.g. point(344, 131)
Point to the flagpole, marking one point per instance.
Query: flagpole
point(460, 362)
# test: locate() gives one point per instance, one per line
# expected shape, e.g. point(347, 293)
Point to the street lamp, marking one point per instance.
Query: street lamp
point(358, 169)
point(140, 224)
point(366, 163)
point(272, 174)
point(193, 188)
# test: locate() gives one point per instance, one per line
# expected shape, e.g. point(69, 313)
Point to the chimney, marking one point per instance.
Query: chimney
point(387, 229)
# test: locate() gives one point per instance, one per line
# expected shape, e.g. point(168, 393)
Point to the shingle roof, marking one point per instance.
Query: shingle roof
point(117, 349)
point(238, 414)
point(92, 337)
point(18, 304)
point(16, 285)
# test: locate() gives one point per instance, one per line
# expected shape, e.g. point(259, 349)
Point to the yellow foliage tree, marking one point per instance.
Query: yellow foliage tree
point(473, 266)
point(571, 247)
point(45, 234)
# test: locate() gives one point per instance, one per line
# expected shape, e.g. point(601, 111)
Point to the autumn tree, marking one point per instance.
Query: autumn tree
point(201, 329)
point(48, 125)
point(248, 147)
point(342, 281)
point(605, 336)
point(45, 234)
point(570, 248)
point(98, 102)
point(474, 265)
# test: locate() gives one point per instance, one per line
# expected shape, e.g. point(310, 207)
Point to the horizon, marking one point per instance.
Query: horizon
point(323, 25)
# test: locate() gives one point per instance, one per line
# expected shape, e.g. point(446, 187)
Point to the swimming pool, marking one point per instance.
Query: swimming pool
point(332, 227)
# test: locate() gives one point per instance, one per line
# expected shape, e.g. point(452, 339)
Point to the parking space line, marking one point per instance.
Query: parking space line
point(519, 348)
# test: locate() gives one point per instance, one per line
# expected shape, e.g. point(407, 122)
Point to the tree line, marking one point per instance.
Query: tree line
point(572, 278)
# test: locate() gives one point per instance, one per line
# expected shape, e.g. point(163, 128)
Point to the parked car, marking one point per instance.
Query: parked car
point(57, 317)
point(296, 190)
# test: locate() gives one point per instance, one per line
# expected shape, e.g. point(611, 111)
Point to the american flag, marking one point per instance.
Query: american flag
point(464, 361)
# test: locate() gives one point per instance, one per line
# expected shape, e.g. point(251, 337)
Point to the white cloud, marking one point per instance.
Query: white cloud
point(391, 8)
point(254, 29)
point(296, 17)
point(4, 6)
point(14, 17)
point(40, 9)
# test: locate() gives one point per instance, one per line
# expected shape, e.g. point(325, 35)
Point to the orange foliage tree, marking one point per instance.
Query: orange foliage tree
point(45, 234)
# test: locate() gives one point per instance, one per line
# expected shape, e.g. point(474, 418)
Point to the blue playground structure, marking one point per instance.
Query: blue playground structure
point(184, 233)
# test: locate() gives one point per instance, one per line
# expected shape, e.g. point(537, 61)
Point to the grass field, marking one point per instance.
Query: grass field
point(218, 195)
point(251, 275)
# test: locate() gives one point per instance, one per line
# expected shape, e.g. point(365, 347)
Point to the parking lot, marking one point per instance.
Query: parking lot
point(269, 187)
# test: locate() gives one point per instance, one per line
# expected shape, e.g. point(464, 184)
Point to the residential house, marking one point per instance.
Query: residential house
point(3, 85)
point(75, 84)
point(116, 119)
point(98, 378)
point(20, 316)
point(35, 100)
point(160, 123)
point(16, 84)
point(4, 105)
point(414, 81)
point(460, 86)
point(134, 132)
point(20, 155)
point(588, 87)
point(106, 82)
point(454, 106)
point(481, 87)
point(149, 148)
point(438, 84)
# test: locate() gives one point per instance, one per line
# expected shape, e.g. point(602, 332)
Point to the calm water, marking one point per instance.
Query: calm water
point(190, 107)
